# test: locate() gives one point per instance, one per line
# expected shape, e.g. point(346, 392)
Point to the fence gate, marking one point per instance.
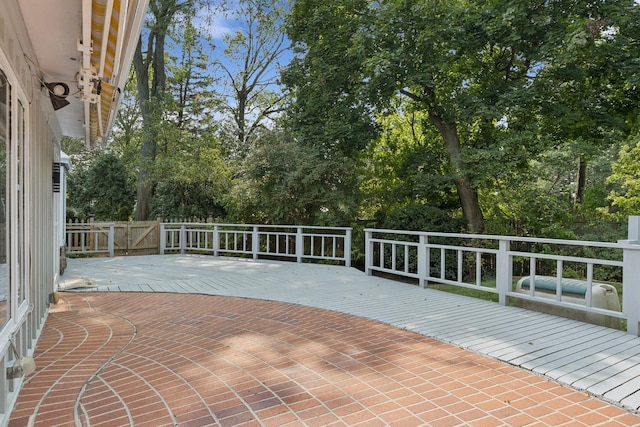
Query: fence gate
point(137, 238)
point(129, 238)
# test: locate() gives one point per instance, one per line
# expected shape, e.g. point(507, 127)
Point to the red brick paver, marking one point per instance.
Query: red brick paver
point(124, 359)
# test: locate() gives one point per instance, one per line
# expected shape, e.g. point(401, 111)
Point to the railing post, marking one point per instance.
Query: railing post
point(422, 261)
point(183, 239)
point(503, 271)
point(631, 276)
point(89, 236)
point(347, 247)
point(163, 239)
point(299, 244)
point(216, 240)
point(111, 239)
point(368, 252)
point(255, 242)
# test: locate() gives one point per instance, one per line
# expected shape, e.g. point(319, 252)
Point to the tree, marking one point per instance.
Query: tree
point(125, 136)
point(326, 75)
point(480, 82)
point(625, 196)
point(99, 186)
point(190, 83)
point(589, 101)
point(405, 165)
point(283, 181)
point(151, 78)
point(249, 70)
point(193, 181)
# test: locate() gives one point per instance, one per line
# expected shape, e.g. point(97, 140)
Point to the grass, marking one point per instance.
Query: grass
point(469, 292)
point(490, 296)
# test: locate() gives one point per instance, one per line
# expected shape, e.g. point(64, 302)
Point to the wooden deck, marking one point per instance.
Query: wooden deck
point(601, 361)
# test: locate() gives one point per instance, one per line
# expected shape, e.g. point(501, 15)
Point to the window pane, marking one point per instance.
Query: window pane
point(5, 137)
point(20, 282)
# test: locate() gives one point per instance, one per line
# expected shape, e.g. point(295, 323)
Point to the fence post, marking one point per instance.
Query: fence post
point(422, 261)
point(163, 239)
point(111, 239)
point(216, 240)
point(347, 247)
point(368, 252)
point(183, 238)
point(631, 276)
point(89, 236)
point(503, 271)
point(159, 229)
point(255, 242)
point(299, 244)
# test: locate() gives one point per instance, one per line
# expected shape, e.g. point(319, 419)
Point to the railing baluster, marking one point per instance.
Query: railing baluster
point(478, 269)
point(393, 256)
point(423, 261)
point(255, 242)
point(532, 274)
point(406, 258)
point(589, 293)
point(559, 280)
point(299, 244)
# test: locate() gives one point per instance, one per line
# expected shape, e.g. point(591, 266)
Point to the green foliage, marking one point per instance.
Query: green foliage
point(625, 176)
point(392, 105)
point(283, 181)
point(325, 77)
point(504, 87)
point(190, 83)
point(99, 186)
point(192, 179)
point(248, 73)
point(406, 164)
point(416, 217)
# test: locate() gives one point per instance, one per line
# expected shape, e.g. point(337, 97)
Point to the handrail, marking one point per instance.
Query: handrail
point(470, 261)
point(414, 254)
point(283, 241)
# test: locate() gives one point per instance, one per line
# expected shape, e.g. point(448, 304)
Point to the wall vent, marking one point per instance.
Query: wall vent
point(56, 177)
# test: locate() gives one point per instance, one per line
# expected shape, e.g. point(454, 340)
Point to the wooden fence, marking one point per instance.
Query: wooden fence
point(128, 238)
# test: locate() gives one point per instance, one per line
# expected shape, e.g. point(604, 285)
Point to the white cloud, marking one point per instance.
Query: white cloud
point(215, 24)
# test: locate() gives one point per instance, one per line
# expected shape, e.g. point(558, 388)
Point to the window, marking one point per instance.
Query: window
point(13, 283)
point(5, 143)
point(20, 201)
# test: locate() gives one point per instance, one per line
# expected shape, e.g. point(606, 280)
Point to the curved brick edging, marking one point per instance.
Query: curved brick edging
point(203, 360)
point(75, 343)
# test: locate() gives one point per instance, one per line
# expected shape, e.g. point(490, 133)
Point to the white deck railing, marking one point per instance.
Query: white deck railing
point(487, 263)
point(90, 238)
point(289, 242)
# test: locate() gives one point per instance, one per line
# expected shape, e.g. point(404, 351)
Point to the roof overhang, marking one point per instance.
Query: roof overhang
point(87, 45)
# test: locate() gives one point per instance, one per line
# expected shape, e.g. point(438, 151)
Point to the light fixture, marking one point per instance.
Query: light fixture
point(58, 92)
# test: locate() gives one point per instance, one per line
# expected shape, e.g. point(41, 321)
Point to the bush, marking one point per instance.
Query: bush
point(418, 217)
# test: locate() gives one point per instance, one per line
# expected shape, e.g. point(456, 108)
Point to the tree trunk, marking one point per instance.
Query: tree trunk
point(581, 183)
point(146, 156)
point(151, 96)
point(466, 193)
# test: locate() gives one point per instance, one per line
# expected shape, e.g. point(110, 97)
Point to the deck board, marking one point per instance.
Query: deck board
point(567, 361)
point(601, 361)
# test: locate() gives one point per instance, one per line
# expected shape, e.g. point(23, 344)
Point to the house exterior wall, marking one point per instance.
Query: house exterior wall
point(29, 145)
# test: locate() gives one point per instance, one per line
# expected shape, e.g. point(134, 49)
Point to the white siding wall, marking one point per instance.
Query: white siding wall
point(39, 237)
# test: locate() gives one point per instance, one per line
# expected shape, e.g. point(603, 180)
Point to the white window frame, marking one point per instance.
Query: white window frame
point(17, 312)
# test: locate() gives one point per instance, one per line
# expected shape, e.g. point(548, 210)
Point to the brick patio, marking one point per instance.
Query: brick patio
point(162, 359)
